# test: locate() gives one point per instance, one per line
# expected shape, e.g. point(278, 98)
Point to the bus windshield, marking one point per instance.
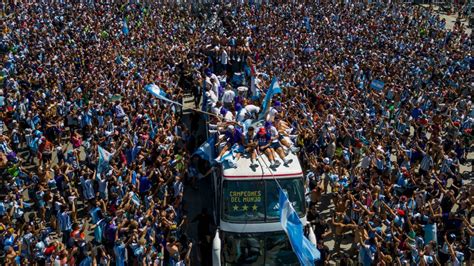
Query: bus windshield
point(271, 248)
point(257, 200)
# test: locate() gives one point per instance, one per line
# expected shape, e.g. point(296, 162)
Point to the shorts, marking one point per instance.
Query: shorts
point(263, 149)
point(275, 145)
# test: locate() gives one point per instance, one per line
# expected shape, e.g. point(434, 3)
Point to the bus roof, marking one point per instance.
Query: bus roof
point(244, 172)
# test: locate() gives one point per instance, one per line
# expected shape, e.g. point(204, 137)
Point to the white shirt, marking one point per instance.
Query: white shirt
point(212, 97)
point(271, 114)
point(252, 109)
point(216, 110)
point(229, 116)
point(224, 57)
point(241, 115)
point(274, 133)
point(228, 96)
point(215, 85)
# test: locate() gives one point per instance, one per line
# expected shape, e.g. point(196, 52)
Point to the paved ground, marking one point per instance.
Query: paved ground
point(196, 200)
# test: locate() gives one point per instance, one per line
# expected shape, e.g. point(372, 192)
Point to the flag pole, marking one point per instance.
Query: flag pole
point(204, 112)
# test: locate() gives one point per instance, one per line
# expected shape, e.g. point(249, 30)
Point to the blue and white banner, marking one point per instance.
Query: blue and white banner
point(229, 159)
point(306, 251)
point(207, 150)
point(158, 93)
point(377, 85)
point(104, 159)
point(274, 89)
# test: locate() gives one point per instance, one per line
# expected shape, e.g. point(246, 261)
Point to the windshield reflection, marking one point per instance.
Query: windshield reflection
point(258, 249)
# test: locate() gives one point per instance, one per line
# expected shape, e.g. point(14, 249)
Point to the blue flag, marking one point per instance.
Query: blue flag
point(274, 89)
point(125, 27)
point(229, 159)
point(377, 84)
point(207, 150)
point(305, 250)
point(104, 159)
point(158, 93)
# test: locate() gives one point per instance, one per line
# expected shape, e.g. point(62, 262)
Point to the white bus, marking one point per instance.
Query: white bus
point(247, 213)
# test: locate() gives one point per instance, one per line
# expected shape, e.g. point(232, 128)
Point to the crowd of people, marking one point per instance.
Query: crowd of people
point(375, 99)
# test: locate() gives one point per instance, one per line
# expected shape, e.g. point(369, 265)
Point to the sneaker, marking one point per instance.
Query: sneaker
point(294, 149)
point(287, 162)
point(277, 163)
point(253, 166)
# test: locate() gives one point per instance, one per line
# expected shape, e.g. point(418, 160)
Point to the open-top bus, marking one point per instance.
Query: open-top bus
point(247, 212)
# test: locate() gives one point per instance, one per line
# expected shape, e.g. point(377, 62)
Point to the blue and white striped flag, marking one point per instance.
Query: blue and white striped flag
point(274, 89)
point(104, 159)
point(306, 251)
point(207, 150)
point(377, 84)
point(229, 159)
point(158, 93)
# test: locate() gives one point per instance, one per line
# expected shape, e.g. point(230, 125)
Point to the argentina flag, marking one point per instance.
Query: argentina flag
point(274, 89)
point(229, 158)
point(305, 250)
point(377, 85)
point(158, 93)
point(207, 150)
point(104, 159)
